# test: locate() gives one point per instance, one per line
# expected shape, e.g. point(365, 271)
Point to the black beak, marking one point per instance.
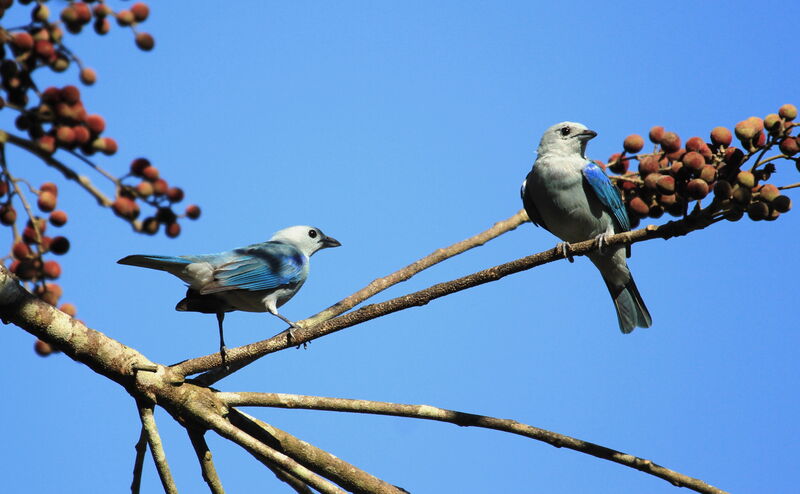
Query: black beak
point(587, 135)
point(330, 242)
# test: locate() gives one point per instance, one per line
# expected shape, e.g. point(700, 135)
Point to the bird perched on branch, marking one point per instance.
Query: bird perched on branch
point(573, 198)
point(257, 278)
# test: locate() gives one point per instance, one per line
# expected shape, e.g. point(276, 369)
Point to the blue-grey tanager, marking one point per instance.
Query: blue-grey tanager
point(257, 278)
point(573, 198)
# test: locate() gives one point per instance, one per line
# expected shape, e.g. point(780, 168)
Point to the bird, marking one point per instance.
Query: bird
point(257, 278)
point(573, 198)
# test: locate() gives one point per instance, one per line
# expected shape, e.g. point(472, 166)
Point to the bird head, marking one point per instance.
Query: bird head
point(306, 239)
point(566, 139)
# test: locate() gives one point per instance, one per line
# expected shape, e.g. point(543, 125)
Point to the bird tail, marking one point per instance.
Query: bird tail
point(162, 263)
point(631, 311)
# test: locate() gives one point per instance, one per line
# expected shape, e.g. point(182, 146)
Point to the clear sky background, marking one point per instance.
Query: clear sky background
point(399, 128)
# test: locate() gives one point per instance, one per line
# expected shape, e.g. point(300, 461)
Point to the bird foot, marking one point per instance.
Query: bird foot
point(290, 336)
point(223, 353)
point(602, 242)
point(566, 251)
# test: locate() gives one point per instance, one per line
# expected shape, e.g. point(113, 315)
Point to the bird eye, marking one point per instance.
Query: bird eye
point(565, 131)
point(312, 233)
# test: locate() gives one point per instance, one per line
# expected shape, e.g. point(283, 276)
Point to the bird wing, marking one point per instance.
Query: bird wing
point(528, 204)
point(258, 267)
point(607, 193)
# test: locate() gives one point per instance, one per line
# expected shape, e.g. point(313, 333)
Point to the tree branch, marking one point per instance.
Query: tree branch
point(156, 448)
point(138, 462)
point(244, 355)
point(270, 456)
point(205, 458)
point(290, 401)
point(407, 272)
point(323, 463)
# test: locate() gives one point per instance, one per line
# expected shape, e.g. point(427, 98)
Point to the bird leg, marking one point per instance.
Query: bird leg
point(602, 242)
point(566, 250)
point(292, 327)
point(223, 351)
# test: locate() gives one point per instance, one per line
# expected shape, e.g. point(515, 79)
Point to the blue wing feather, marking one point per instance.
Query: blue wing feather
point(607, 193)
point(257, 267)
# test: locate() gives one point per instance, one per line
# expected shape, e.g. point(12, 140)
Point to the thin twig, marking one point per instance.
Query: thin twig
point(268, 455)
point(138, 462)
point(68, 172)
point(790, 186)
point(157, 448)
point(241, 356)
point(319, 461)
point(280, 400)
point(407, 272)
point(205, 458)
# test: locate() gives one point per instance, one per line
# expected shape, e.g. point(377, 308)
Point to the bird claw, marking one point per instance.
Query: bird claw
point(566, 250)
point(602, 242)
point(290, 336)
point(223, 352)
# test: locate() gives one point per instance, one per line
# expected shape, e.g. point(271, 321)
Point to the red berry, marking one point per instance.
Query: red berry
point(639, 207)
point(665, 185)
point(46, 201)
point(789, 146)
point(106, 145)
point(44, 49)
point(193, 211)
point(49, 187)
point(23, 41)
point(173, 230)
point(8, 215)
point(695, 144)
point(138, 166)
point(96, 123)
point(59, 245)
point(160, 187)
point(68, 309)
point(81, 134)
point(697, 188)
point(670, 142)
point(47, 143)
point(648, 165)
point(656, 134)
point(150, 173)
point(88, 76)
point(144, 189)
point(125, 208)
point(788, 112)
point(125, 18)
point(21, 251)
point(42, 348)
point(618, 164)
point(721, 136)
point(52, 270)
point(140, 11)
point(694, 160)
point(70, 94)
point(175, 194)
point(65, 135)
point(58, 218)
point(145, 41)
point(633, 143)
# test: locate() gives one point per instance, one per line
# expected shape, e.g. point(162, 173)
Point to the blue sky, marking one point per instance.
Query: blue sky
point(399, 128)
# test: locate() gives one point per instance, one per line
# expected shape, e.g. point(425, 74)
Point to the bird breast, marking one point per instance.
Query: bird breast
point(570, 211)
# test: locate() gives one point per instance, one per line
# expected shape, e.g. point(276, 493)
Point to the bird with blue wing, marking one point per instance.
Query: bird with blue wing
point(257, 278)
point(571, 197)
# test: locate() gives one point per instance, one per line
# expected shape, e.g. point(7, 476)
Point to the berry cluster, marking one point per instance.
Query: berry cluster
point(56, 123)
point(155, 191)
point(675, 175)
